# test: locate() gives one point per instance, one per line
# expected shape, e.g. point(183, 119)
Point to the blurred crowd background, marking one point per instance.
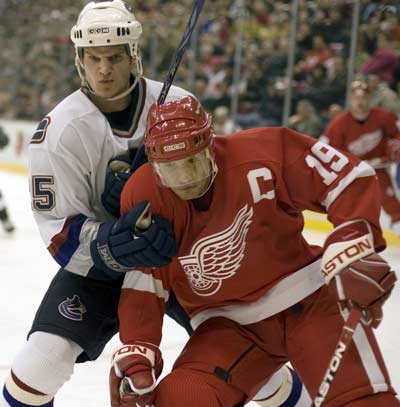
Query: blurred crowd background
point(37, 58)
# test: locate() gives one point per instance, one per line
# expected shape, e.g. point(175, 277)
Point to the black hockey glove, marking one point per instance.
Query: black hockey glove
point(116, 176)
point(134, 240)
point(118, 172)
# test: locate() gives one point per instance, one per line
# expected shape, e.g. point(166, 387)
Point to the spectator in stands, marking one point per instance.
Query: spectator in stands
point(220, 96)
point(271, 105)
point(324, 87)
point(276, 59)
point(384, 60)
point(223, 123)
point(336, 30)
point(304, 37)
point(368, 32)
point(318, 54)
point(390, 23)
point(361, 54)
point(200, 88)
point(334, 89)
point(306, 120)
point(380, 95)
point(333, 110)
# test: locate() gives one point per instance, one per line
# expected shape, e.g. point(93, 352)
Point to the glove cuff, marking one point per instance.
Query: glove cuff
point(101, 254)
point(148, 351)
point(346, 244)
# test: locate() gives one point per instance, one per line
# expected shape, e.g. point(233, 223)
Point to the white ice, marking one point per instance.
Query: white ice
point(26, 270)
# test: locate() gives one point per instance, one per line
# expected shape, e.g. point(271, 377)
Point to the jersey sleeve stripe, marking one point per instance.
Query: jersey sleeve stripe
point(137, 280)
point(362, 170)
point(64, 244)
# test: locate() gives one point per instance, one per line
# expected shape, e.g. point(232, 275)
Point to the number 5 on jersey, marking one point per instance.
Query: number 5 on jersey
point(43, 197)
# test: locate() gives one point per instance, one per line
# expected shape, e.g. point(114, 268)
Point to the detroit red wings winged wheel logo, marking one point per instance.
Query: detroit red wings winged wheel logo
point(215, 258)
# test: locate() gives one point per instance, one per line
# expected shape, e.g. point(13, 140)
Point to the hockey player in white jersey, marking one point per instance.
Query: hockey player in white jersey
point(75, 201)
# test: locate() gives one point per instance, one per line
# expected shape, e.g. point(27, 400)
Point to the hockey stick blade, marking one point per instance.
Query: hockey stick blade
point(176, 61)
point(340, 351)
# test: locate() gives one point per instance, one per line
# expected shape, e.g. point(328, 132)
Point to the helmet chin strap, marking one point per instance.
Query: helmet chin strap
point(137, 75)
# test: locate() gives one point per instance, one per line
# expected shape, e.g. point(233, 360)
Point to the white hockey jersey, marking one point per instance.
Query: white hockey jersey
point(68, 158)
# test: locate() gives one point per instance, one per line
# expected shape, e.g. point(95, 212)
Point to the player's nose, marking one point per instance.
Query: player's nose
point(104, 67)
point(183, 177)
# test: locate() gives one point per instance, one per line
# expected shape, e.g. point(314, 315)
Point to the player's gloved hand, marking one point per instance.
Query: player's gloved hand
point(118, 172)
point(133, 375)
point(136, 239)
point(393, 150)
point(367, 282)
point(355, 274)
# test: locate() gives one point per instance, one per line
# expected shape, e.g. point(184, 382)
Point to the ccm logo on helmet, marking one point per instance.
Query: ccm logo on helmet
point(173, 147)
point(100, 30)
point(343, 257)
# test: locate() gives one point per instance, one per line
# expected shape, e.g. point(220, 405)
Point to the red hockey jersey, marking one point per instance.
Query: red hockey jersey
point(245, 257)
point(368, 139)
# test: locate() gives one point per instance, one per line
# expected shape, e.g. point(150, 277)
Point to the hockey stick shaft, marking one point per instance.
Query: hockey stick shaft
point(176, 60)
point(337, 357)
point(180, 51)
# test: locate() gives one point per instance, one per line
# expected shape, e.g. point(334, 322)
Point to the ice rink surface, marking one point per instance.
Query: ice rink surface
point(26, 270)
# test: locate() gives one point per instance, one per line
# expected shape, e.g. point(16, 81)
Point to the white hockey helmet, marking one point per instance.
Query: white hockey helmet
point(103, 24)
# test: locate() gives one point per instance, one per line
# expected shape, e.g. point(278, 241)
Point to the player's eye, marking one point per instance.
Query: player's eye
point(115, 58)
point(94, 58)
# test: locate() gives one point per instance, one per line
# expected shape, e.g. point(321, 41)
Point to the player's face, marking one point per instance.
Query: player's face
point(189, 177)
point(107, 69)
point(359, 105)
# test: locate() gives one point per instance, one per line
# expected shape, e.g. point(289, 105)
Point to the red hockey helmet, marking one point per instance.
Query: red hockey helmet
point(176, 130)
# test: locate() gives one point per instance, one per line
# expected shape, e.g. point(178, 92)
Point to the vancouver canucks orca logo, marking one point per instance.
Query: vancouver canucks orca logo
point(72, 308)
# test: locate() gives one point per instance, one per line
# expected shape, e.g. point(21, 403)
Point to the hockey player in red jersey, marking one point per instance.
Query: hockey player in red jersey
point(372, 134)
point(257, 293)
